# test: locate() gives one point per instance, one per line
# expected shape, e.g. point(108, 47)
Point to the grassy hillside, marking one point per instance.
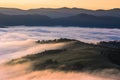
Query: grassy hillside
point(75, 56)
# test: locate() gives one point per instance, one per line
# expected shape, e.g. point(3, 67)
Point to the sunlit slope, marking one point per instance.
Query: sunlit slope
point(73, 56)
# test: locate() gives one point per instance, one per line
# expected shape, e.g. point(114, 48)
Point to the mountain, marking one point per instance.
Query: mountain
point(61, 12)
point(60, 16)
point(81, 20)
point(86, 20)
point(31, 20)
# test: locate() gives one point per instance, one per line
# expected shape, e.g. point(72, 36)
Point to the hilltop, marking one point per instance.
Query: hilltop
point(74, 56)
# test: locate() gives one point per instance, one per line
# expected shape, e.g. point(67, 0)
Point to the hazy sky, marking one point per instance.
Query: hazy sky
point(89, 4)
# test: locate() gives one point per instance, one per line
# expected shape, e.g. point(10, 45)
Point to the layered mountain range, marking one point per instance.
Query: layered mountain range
point(60, 16)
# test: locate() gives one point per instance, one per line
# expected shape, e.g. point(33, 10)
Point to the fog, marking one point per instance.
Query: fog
point(84, 34)
point(18, 49)
point(19, 41)
point(19, 72)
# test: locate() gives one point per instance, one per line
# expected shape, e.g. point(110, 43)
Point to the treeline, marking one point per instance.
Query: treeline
point(55, 40)
point(113, 44)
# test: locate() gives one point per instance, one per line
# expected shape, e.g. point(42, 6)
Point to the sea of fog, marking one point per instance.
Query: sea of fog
point(20, 33)
point(20, 39)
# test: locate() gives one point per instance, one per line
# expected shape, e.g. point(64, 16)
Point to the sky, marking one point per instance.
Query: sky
point(88, 4)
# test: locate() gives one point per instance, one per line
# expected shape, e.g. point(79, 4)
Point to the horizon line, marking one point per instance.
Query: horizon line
point(56, 8)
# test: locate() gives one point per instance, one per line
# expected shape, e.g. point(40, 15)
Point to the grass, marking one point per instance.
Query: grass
point(76, 56)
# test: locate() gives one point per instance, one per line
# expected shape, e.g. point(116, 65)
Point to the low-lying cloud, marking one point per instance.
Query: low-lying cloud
point(19, 72)
point(20, 41)
point(83, 34)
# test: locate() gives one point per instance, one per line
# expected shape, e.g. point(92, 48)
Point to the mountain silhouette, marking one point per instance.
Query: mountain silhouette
point(60, 17)
point(60, 12)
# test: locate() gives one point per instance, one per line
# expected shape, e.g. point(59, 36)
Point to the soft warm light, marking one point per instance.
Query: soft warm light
point(89, 4)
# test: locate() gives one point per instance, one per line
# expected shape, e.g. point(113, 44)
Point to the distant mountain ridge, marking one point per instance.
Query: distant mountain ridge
point(81, 20)
point(61, 12)
point(60, 17)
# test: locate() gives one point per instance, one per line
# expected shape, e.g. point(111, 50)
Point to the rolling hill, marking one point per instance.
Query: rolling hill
point(74, 56)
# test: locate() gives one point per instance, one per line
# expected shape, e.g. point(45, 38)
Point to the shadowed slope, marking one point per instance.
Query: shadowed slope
point(75, 56)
